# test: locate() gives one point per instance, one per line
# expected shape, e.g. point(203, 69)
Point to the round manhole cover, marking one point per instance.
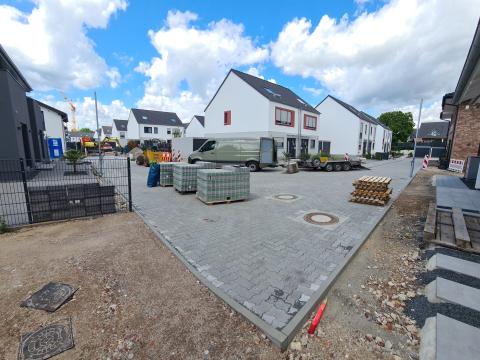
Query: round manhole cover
point(318, 218)
point(285, 197)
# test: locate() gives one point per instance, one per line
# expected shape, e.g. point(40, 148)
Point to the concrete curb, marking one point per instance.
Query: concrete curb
point(282, 338)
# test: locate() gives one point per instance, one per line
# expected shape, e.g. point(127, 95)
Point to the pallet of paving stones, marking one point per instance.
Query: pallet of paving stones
point(185, 175)
point(225, 185)
point(166, 173)
point(453, 228)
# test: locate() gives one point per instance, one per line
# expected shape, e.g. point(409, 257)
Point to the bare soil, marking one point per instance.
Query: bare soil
point(135, 299)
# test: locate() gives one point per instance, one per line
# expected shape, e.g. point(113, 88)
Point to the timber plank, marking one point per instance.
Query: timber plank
point(461, 233)
point(430, 223)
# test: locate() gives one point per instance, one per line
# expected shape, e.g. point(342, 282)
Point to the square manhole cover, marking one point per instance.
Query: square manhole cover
point(50, 297)
point(46, 341)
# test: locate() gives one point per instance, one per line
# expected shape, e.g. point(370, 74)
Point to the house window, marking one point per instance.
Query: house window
point(279, 141)
point(147, 129)
point(155, 130)
point(312, 144)
point(169, 131)
point(122, 135)
point(366, 129)
point(309, 122)
point(284, 117)
point(227, 117)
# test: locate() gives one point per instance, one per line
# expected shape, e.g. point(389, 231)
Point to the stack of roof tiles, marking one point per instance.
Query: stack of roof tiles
point(185, 175)
point(166, 173)
point(230, 183)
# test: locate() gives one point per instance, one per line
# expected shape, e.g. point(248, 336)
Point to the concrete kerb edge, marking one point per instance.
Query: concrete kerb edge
point(277, 337)
point(281, 339)
point(299, 319)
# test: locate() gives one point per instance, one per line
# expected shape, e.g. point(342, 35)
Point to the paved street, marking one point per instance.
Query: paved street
point(261, 252)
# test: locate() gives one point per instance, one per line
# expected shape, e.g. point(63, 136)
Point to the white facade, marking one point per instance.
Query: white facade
point(348, 132)
point(253, 115)
point(140, 131)
point(119, 134)
point(195, 128)
point(54, 125)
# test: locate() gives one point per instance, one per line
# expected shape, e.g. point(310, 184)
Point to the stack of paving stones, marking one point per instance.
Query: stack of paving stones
point(166, 173)
point(371, 190)
point(185, 175)
point(224, 185)
point(61, 202)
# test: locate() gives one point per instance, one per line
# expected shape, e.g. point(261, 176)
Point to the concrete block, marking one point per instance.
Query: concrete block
point(451, 263)
point(443, 290)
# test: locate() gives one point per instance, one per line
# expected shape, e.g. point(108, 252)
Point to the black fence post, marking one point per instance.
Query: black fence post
point(25, 190)
point(130, 208)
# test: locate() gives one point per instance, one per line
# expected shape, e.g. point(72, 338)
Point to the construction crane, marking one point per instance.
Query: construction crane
point(73, 108)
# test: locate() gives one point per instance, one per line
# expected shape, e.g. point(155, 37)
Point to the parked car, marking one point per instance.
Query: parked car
point(253, 153)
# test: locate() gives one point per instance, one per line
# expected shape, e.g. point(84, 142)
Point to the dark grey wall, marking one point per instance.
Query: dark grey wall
point(37, 125)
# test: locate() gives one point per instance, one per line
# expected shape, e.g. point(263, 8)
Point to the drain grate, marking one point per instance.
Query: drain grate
point(46, 341)
point(50, 297)
point(286, 197)
point(319, 218)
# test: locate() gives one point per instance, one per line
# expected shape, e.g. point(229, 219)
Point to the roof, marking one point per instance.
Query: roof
point(6, 63)
point(107, 130)
point(81, 133)
point(362, 115)
point(273, 92)
point(51, 108)
point(120, 125)
point(468, 86)
point(201, 119)
point(153, 117)
point(433, 130)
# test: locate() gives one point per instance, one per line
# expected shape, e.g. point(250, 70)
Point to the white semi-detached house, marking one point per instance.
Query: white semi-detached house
point(346, 130)
point(247, 106)
point(119, 131)
point(150, 124)
point(55, 124)
point(196, 127)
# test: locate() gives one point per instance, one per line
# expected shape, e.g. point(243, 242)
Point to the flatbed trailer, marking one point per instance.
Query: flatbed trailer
point(328, 164)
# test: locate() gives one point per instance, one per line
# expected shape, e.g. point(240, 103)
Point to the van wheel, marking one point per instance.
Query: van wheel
point(338, 167)
point(192, 161)
point(253, 166)
point(329, 167)
point(347, 167)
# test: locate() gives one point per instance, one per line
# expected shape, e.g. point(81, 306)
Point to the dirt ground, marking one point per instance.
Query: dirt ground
point(137, 301)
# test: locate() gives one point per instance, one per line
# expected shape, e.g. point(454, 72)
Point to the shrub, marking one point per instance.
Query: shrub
point(140, 160)
point(73, 157)
point(132, 144)
point(368, 156)
point(3, 226)
point(286, 157)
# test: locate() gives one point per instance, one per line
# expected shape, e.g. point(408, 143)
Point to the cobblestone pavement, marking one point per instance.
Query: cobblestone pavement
point(261, 252)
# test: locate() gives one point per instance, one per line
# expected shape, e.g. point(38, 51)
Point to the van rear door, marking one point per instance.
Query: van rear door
point(267, 148)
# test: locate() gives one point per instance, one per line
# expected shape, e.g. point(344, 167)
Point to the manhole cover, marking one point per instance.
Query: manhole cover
point(50, 297)
point(318, 218)
point(46, 341)
point(285, 197)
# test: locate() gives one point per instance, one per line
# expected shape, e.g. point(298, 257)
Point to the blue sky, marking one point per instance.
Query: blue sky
point(377, 55)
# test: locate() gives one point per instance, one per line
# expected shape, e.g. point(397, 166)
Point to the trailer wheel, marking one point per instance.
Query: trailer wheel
point(337, 167)
point(347, 167)
point(316, 162)
point(253, 166)
point(329, 167)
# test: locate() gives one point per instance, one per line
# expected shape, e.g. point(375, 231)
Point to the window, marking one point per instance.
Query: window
point(312, 144)
point(271, 92)
point(366, 129)
point(209, 145)
point(309, 122)
point(122, 135)
point(169, 131)
point(371, 130)
point(227, 117)
point(147, 129)
point(279, 141)
point(284, 117)
point(155, 130)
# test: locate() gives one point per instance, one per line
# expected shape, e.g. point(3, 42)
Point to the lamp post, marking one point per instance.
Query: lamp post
point(415, 140)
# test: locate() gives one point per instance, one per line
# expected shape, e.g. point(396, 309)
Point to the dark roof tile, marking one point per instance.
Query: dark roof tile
point(153, 117)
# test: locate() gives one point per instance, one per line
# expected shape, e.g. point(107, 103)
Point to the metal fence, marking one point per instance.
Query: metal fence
point(61, 190)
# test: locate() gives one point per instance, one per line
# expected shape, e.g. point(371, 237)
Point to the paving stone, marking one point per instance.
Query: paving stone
point(443, 290)
point(441, 261)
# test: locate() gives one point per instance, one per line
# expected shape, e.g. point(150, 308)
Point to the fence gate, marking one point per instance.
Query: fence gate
point(62, 190)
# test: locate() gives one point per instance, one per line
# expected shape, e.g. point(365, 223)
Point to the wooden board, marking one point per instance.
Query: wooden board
point(430, 223)
point(460, 227)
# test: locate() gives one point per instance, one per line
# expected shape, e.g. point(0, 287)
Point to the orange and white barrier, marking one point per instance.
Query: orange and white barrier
point(426, 159)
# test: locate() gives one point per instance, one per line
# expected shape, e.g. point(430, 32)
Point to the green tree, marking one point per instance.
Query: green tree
point(73, 156)
point(85, 129)
point(401, 124)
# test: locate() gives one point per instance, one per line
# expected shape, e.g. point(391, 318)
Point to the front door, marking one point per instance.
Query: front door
point(291, 147)
point(304, 149)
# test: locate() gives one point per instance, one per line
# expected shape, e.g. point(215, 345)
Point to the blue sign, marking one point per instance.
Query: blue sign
point(55, 148)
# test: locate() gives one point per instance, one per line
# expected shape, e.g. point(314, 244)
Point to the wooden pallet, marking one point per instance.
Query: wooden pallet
point(368, 201)
point(220, 201)
point(163, 185)
point(385, 195)
point(453, 228)
point(185, 192)
point(378, 180)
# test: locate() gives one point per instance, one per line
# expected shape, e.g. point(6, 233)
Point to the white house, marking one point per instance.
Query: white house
point(151, 124)
point(247, 106)
point(196, 127)
point(344, 129)
point(119, 131)
point(106, 131)
point(55, 123)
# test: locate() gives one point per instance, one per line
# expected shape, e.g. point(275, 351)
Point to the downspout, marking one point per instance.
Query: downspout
point(299, 138)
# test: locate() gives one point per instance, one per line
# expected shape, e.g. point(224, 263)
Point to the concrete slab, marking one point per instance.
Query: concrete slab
point(452, 192)
point(443, 290)
point(443, 338)
point(441, 261)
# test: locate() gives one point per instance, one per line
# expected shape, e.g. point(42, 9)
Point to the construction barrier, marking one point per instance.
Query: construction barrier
point(426, 159)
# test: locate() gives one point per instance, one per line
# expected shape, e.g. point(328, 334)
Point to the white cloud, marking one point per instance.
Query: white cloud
point(391, 57)
point(51, 47)
point(256, 72)
point(192, 62)
point(85, 111)
point(314, 91)
point(430, 111)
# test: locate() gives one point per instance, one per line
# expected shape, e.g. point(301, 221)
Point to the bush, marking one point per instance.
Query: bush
point(410, 154)
point(368, 156)
point(140, 160)
point(3, 226)
point(304, 156)
point(132, 144)
point(73, 157)
point(378, 156)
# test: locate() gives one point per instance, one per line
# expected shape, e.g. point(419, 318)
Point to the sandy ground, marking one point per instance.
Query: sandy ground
point(136, 300)
point(134, 297)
